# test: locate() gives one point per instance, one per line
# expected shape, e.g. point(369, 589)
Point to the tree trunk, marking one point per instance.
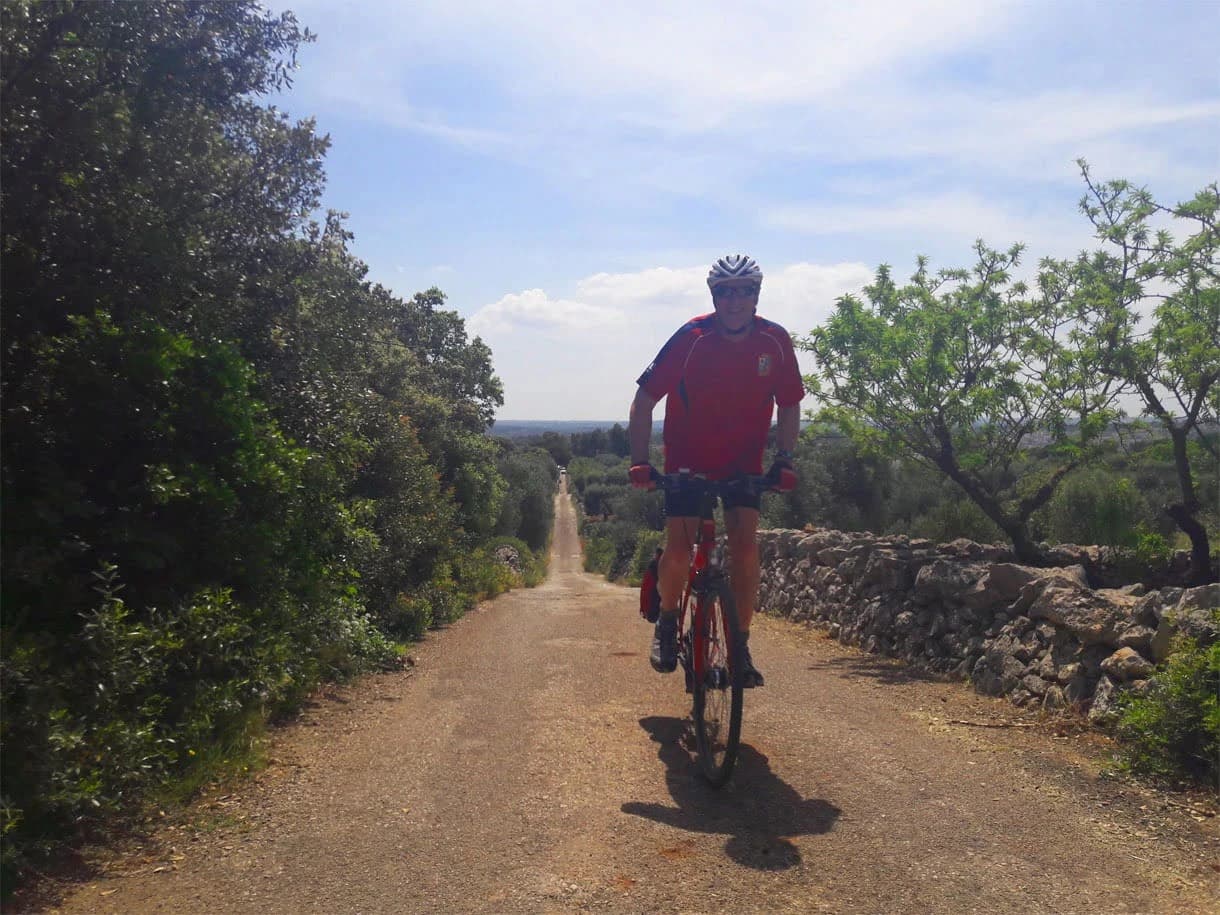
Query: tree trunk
point(1201, 571)
point(1184, 513)
point(1027, 551)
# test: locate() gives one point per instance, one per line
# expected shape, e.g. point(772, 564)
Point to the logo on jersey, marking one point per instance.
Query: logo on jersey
point(764, 365)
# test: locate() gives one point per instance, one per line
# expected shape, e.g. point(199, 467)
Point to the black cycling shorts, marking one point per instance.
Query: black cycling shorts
point(685, 504)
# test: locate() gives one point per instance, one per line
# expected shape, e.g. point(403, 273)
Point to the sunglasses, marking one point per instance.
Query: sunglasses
point(735, 292)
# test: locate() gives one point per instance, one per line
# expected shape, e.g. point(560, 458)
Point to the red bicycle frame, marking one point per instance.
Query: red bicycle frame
point(705, 542)
point(706, 647)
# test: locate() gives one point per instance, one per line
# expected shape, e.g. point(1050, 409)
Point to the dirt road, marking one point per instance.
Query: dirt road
point(532, 762)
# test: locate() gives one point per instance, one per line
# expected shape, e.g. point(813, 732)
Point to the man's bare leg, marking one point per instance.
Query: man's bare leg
point(742, 527)
point(675, 561)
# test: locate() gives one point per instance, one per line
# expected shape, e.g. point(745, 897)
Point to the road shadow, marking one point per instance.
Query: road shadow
point(889, 671)
point(758, 811)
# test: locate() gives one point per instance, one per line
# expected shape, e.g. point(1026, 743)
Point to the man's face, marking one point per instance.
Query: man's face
point(735, 303)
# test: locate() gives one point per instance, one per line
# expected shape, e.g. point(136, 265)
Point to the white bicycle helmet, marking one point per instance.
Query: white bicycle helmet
point(734, 267)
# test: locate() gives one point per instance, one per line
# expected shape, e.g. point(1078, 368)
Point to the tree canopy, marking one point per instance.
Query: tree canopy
point(961, 369)
point(1173, 365)
point(968, 370)
point(231, 465)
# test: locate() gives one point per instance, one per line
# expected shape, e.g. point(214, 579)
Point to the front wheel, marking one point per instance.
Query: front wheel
point(717, 682)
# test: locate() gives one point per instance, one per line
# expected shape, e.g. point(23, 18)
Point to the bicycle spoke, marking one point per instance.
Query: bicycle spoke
point(718, 690)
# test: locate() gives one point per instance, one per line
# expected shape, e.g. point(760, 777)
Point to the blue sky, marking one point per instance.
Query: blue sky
point(565, 172)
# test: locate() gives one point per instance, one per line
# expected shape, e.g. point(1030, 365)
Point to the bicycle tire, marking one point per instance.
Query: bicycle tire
point(718, 694)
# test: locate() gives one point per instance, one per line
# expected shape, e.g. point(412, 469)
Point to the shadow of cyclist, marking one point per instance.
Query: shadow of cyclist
point(757, 810)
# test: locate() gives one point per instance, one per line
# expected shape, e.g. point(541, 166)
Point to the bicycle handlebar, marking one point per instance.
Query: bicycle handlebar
point(750, 484)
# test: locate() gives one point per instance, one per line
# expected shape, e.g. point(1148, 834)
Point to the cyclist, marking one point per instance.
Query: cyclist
point(722, 375)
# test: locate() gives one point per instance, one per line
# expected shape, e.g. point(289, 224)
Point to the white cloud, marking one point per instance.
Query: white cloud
point(640, 97)
point(802, 296)
point(569, 72)
point(694, 59)
point(616, 325)
point(653, 299)
point(951, 218)
point(534, 310)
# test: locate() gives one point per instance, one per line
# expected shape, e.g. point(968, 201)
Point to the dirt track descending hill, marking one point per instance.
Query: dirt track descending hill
point(532, 762)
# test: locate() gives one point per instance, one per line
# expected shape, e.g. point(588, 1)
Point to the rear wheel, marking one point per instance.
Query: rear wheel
point(717, 683)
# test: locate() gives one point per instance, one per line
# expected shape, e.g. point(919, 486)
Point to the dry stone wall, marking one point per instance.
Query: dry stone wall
point(1037, 635)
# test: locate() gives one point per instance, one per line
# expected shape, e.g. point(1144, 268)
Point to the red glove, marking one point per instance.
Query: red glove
point(782, 476)
point(642, 476)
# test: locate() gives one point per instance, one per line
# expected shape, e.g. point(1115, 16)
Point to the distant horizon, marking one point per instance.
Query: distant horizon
point(537, 419)
point(659, 420)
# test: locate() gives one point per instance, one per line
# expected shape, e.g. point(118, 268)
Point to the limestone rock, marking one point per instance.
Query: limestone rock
point(1139, 638)
point(944, 580)
point(1148, 610)
point(886, 572)
point(1194, 614)
point(1205, 598)
point(1104, 708)
point(996, 590)
point(1127, 664)
point(1092, 616)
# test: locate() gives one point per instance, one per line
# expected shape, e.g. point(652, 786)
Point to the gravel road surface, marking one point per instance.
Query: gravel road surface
point(531, 761)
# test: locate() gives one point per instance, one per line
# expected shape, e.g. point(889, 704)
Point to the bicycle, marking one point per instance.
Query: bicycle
point(709, 648)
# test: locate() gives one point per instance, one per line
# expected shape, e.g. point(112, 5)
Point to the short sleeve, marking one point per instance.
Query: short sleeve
point(663, 372)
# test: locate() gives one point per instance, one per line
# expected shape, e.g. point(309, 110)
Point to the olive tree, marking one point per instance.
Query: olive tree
point(965, 370)
point(1173, 364)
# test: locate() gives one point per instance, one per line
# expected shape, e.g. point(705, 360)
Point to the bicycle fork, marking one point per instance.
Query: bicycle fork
point(700, 633)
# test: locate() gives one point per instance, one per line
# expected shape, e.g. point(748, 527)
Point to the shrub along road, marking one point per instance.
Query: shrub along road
point(531, 761)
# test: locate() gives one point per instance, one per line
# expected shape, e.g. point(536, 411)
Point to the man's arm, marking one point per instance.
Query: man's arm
point(639, 426)
point(787, 427)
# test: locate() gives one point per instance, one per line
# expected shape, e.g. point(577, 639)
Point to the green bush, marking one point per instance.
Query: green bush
point(1151, 555)
point(609, 547)
point(646, 543)
point(605, 468)
point(400, 523)
point(202, 390)
point(140, 695)
point(479, 574)
point(1172, 731)
point(955, 518)
point(599, 555)
point(533, 562)
point(140, 448)
point(602, 498)
point(1094, 506)
point(528, 509)
point(644, 510)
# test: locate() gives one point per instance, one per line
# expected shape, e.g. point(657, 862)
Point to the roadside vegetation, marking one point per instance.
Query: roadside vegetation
point(961, 370)
point(232, 467)
point(1172, 731)
point(1116, 500)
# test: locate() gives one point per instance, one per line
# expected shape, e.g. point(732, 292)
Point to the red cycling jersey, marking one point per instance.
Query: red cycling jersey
point(721, 394)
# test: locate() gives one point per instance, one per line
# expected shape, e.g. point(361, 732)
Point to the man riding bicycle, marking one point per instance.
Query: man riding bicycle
point(721, 374)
